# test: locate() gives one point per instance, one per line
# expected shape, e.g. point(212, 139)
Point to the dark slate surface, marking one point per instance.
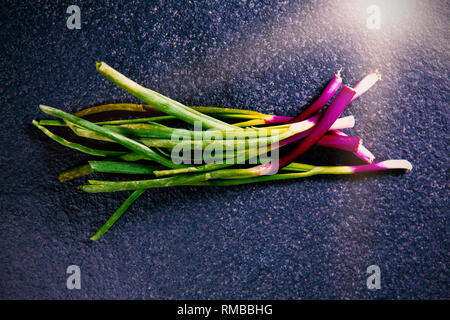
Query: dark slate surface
point(295, 240)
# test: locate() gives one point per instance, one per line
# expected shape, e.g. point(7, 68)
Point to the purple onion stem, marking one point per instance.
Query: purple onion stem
point(328, 93)
point(273, 119)
point(362, 153)
point(343, 98)
point(383, 165)
point(347, 143)
point(342, 123)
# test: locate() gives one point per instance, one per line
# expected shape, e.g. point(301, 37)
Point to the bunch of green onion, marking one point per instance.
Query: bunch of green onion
point(148, 146)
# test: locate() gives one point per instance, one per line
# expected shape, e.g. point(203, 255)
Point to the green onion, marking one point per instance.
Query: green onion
point(121, 167)
point(146, 139)
point(77, 146)
point(126, 142)
point(160, 102)
point(116, 215)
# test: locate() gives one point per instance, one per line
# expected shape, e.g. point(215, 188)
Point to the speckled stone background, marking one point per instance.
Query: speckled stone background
point(305, 239)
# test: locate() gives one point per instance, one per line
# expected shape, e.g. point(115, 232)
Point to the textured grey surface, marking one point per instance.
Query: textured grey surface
point(302, 239)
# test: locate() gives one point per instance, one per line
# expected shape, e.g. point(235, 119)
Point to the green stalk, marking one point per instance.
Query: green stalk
point(195, 145)
point(147, 130)
point(111, 107)
point(185, 179)
point(296, 166)
point(54, 123)
point(313, 170)
point(84, 133)
point(238, 116)
point(275, 177)
point(159, 101)
point(145, 107)
point(140, 120)
point(220, 110)
point(231, 144)
point(213, 111)
point(131, 168)
point(216, 165)
point(106, 167)
point(132, 156)
point(225, 145)
point(293, 129)
point(126, 142)
point(116, 215)
point(76, 172)
point(253, 122)
point(77, 146)
point(121, 167)
point(212, 178)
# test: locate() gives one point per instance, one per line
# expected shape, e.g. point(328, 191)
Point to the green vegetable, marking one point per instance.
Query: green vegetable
point(153, 149)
